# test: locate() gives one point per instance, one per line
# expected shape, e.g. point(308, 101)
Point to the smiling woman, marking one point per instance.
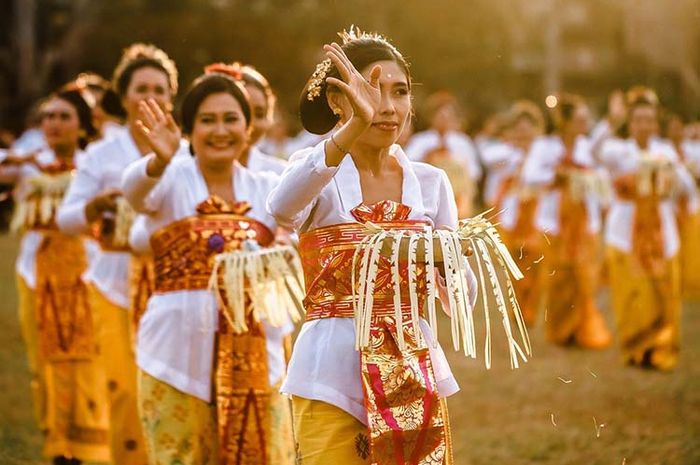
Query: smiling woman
point(195, 208)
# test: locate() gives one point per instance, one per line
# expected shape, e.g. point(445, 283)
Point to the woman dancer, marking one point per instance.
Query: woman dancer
point(94, 202)
point(196, 207)
point(569, 211)
point(68, 384)
point(642, 237)
point(358, 175)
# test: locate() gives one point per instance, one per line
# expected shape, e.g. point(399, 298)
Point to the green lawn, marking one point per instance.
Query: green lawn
point(542, 413)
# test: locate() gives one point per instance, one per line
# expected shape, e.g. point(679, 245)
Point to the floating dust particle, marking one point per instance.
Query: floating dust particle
point(539, 259)
point(598, 427)
point(624, 460)
point(545, 314)
point(546, 238)
point(592, 374)
point(553, 273)
point(565, 381)
point(521, 252)
point(551, 417)
point(528, 268)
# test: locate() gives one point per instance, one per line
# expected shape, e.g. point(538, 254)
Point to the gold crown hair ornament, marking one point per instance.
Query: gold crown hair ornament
point(347, 36)
point(151, 52)
point(233, 70)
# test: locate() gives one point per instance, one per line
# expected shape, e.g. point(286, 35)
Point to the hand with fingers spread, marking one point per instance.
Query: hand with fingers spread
point(363, 95)
point(162, 133)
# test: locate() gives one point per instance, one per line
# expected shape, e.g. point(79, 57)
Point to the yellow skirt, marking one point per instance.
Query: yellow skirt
point(70, 399)
point(179, 428)
point(30, 334)
point(571, 313)
point(528, 252)
point(326, 434)
point(647, 310)
point(77, 412)
point(113, 329)
point(690, 255)
point(281, 441)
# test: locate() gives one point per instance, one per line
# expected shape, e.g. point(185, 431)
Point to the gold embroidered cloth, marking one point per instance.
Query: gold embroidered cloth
point(406, 418)
point(184, 251)
point(63, 314)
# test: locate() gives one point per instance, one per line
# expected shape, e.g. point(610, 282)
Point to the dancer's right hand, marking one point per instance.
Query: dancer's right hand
point(105, 202)
point(162, 133)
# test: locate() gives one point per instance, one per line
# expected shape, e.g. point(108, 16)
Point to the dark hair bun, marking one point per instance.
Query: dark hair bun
point(316, 115)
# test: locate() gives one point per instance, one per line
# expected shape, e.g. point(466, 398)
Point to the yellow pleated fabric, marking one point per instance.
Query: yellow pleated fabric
point(30, 334)
point(180, 429)
point(325, 434)
point(690, 255)
point(77, 411)
point(571, 315)
point(647, 310)
point(281, 442)
point(112, 326)
point(528, 248)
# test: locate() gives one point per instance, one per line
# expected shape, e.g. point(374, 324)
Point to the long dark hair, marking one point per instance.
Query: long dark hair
point(316, 115)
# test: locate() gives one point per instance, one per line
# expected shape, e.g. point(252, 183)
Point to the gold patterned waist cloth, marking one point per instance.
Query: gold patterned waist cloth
point(184, 251)
point(405, 415)
point(327, 258)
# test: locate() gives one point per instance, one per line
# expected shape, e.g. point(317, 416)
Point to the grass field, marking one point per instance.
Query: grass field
point(564, 407)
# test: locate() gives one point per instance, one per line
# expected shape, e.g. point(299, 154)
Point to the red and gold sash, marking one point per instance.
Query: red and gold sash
point(183, 257)
point(407, 420)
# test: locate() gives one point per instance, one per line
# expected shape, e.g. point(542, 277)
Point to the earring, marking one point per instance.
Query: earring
point(337, 112)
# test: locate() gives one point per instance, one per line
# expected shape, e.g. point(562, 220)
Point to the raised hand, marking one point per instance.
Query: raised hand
point(160, 129)
point(363, 95)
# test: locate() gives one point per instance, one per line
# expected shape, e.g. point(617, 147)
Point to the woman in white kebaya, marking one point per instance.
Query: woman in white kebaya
point(569, 211)
point(195, 208)
point(641, 235)
point(68, 381)
point(94, 203)
point(359, 175)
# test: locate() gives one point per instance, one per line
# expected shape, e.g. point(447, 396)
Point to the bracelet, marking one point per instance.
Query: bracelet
point(341, 149)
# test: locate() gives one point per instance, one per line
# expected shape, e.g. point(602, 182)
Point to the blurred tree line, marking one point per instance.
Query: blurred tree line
point(488, 52)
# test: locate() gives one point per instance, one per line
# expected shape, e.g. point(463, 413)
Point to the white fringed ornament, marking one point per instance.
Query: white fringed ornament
point(494, 265)
point(123, 220)
point(271, 278)
point(42, 200)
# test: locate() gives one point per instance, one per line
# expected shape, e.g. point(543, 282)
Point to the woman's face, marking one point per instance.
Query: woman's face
point(394, 108)
point(219, 133)
point(523, 133)
point(145, 83)
point(261, 118)
point(445, 119)
point(579, 122)
point(643, 123)
point(60, 124)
